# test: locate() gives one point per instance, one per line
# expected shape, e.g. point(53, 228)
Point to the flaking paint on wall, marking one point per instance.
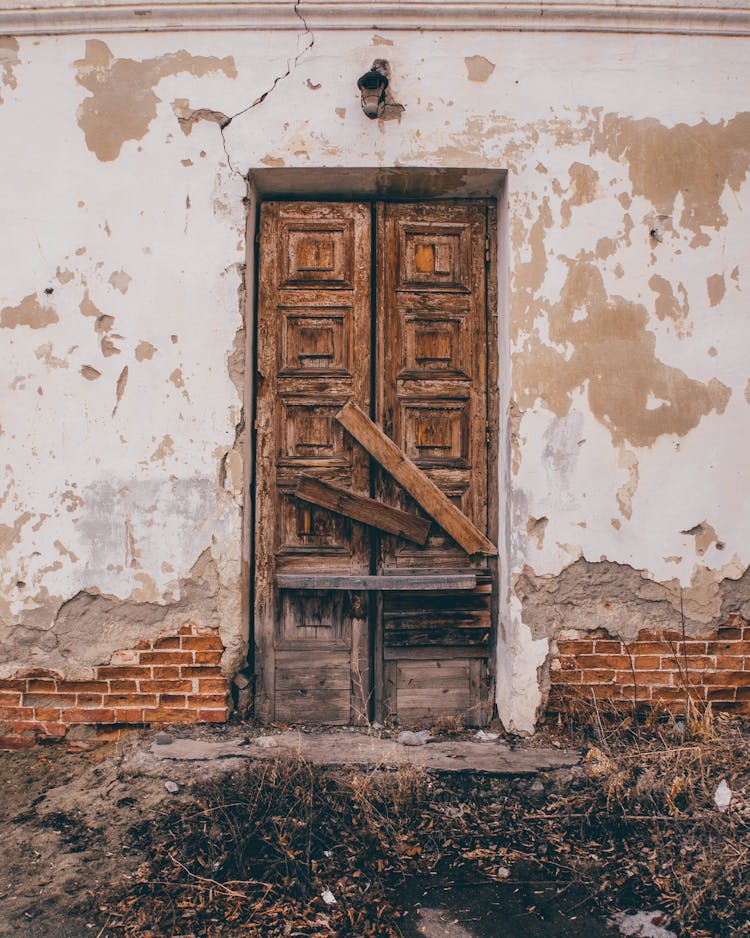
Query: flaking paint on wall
point(611, 337)
point(123, 101)
point(8, 61)
point(624, 211)
point(29, 312)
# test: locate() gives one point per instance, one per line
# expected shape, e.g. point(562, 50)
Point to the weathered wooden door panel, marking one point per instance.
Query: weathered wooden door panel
point(427, 654)
point(314, 312)
point(432, 401)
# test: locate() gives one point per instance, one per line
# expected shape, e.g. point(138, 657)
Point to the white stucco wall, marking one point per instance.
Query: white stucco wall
point(626, 383)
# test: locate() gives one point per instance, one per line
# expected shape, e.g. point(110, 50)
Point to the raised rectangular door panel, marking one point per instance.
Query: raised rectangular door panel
point(420, 691)
point(314, 320)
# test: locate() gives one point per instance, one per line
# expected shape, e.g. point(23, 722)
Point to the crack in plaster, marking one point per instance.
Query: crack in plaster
point(291, 65)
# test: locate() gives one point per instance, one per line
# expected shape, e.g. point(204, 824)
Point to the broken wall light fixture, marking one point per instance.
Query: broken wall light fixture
point(372, 86)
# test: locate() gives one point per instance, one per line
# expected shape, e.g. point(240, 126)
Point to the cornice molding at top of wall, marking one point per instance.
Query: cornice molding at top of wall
point(61, 17)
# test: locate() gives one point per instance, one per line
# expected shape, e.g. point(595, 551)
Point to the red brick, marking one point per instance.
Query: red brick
point(89, 700)
point(200, 671)
point(598, 676)
point(168, 715)
point(648, 648)
point(726, 678)
point(566, 677)
point(123, 687)
point(634, 691)
point(213, 716)
point(645, 677)
point(13, 684)
point(41, 686)
point(47, 713)
point(26, 726)
point(575, 647)
point(169, 641)
point(185, 630)
point(167, 672)
point(729, 648)
point(647, 662)
point(729, 633)
point(129, 715)
point(119, 672)
point(167, 657)
point(731, 663)
point(743, 693)
point(130, 700)
point(212, 685)
point(721, 694)
point(618, 662)
point(17, 742)
point(48, 700)
point(690, 647)
point(700, 662)
point(173, 700)
point(89, 716)
point(82, 687)
point(16, 713)
point(208, 657)
point(54, 729)
point(202, 643)
point(10, 699)
point(673, 693)
point(608, 647)
point(207, 700)
point(606, 692)
point(166, 687)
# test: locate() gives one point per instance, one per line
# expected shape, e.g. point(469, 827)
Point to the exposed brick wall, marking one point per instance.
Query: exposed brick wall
point(654, 669)
point(174, 679)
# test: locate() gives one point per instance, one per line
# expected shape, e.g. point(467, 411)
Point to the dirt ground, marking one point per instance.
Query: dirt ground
point(92, 843)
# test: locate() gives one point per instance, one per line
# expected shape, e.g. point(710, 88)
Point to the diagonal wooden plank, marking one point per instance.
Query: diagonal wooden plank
point(421, 488)
point(367, 510)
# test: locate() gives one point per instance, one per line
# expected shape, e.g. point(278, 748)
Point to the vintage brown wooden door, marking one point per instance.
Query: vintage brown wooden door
point(384, 307)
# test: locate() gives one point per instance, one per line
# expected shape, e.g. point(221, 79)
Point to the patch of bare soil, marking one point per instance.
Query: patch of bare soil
point(65, 836)
point(285, 848)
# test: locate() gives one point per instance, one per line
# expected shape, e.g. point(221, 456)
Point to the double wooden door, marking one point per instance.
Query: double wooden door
point(379, 311)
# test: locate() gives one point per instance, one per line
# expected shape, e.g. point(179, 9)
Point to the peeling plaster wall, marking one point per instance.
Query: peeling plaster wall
point(623, 267)
point(120, 489)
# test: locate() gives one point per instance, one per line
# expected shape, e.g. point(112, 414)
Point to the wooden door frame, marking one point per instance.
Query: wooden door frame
point(371, 185)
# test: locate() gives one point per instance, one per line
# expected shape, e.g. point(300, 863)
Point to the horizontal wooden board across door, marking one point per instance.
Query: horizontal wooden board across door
point(409, 583)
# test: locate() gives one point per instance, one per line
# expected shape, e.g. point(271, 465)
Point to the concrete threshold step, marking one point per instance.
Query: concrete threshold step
point(353, 748)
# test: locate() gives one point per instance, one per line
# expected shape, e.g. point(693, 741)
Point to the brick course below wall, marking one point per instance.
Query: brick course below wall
point(174, 679)
point(654, 669)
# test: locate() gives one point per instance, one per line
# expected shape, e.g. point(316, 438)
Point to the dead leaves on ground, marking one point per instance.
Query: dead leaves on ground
point(637, 828)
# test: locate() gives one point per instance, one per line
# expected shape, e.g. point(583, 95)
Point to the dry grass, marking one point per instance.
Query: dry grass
point(635, 828)
point(252, 855)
